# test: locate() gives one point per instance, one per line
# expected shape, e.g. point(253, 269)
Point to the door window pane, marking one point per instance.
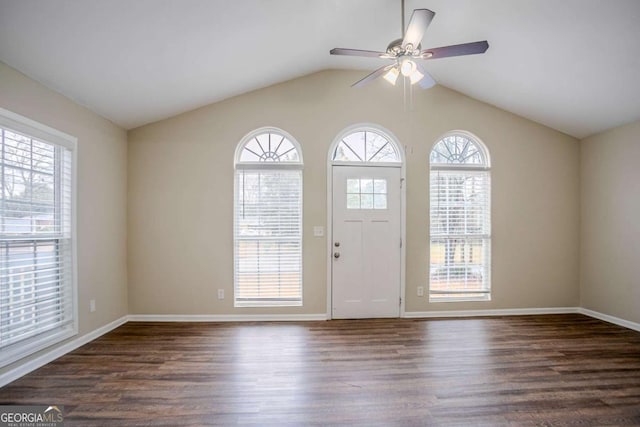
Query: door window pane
point(366, 193)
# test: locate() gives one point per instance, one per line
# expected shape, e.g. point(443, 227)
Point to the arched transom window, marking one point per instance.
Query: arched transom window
point(458, 149)
point(460, 220)
point(366, 146)
point(268, 220)
point(269, 146)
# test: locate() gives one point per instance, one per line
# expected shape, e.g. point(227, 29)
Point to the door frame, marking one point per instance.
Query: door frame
point(403, 190)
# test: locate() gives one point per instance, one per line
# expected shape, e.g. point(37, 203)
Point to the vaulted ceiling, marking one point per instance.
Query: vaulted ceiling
point(572, 65)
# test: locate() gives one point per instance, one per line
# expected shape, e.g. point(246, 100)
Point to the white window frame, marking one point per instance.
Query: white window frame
point(23, 125)
point(484, 167)
point(262, 166)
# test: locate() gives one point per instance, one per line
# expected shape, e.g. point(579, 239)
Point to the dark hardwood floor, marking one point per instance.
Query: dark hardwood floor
point(559, 370)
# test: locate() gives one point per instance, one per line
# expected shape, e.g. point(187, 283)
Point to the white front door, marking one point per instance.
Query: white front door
point(366, 243)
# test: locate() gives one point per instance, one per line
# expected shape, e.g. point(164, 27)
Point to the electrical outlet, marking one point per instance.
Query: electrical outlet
point(420, 291)
point(92, 305)
point(220, 293)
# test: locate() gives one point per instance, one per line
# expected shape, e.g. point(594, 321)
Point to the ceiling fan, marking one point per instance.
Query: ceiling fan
point(405, 51)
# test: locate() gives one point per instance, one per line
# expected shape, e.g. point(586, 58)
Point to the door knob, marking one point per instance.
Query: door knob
point(336, 254)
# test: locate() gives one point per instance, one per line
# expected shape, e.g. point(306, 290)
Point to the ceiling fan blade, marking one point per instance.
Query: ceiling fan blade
point(455, 50)
point(426, 81)
point(371, 77)
point(355, 52)
point(420, 20)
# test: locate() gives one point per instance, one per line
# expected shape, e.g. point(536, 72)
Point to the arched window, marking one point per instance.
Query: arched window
point(366, 146)
point(268, 220)
point(460, 219)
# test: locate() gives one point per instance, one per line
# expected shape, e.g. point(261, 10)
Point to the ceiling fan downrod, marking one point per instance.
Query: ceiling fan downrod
point(402, 19)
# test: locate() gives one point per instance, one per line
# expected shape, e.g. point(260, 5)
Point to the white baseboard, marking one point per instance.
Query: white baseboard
point(225, 317)
point(32, 365)
point(610, 319)
point(495, 312)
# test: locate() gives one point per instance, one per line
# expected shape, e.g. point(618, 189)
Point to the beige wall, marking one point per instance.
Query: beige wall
point(610, 215)
point(102, 187)
point(180, 201)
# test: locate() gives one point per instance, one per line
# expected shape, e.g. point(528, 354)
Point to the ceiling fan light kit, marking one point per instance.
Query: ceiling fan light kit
point(416, 76)
point(392, 75)
point(407, 66)
point(406, 51)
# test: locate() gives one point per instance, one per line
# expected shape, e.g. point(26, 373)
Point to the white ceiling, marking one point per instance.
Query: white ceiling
point(572, 65)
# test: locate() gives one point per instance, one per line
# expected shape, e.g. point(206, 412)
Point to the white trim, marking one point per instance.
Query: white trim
point(270, 166)
point(403, 231)
point(611, 319)
point(494, 312)
point(456, 167)
point(226, 317)
point(329, 234)
point(50, 356)
point(370, 164)
point(74, 237)
point(25, 348)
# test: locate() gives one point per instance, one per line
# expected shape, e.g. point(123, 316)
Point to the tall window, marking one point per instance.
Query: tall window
point(37, 284)
point(268, 220)
point(460, 219)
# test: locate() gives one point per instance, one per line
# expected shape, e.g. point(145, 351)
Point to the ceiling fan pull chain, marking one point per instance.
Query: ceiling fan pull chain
point(407, 94)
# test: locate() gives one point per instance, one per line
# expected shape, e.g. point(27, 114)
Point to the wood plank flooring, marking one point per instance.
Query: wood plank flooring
point(556, 370)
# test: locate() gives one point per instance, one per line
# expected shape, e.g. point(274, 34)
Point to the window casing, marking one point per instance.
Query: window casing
point(460, 220)
point(268, 220)
point(37, 237)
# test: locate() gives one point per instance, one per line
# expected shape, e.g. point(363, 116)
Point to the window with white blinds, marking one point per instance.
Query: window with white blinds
point(460, 220)
point(268, 221)
point(37, 281)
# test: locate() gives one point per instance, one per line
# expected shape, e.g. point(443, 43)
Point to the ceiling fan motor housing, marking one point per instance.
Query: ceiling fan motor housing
point(395, 49)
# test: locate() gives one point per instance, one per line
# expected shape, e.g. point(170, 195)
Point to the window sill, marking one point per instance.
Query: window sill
point(484, 298)
point(244, 304)
point(20, 350)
